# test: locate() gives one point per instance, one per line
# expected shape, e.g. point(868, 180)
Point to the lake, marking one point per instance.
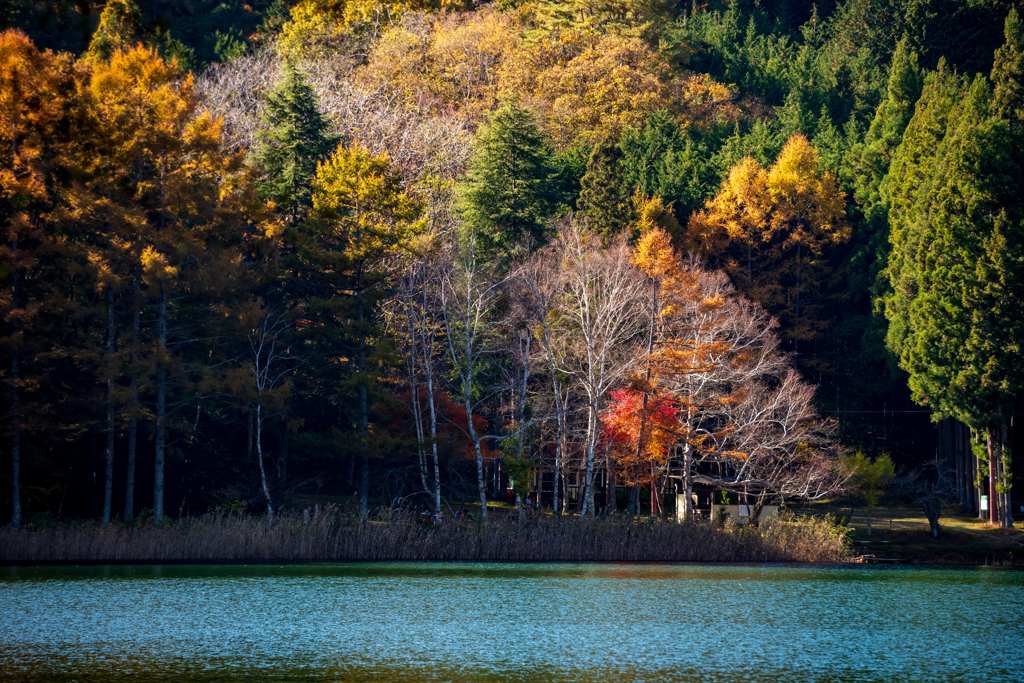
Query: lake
point(511, 622)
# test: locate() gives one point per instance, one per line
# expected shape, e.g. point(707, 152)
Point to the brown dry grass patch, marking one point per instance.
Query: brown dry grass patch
point(338, 537)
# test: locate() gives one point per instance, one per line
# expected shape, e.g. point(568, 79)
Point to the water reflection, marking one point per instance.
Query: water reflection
point(511, 622)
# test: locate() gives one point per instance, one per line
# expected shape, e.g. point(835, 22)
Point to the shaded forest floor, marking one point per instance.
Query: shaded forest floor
point(901, 533)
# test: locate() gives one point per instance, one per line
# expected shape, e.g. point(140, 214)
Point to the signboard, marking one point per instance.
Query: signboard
point(984, 502)
point(744, 511)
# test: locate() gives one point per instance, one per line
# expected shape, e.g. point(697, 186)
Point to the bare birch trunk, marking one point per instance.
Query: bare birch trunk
point(259, 459)
point(477, 452)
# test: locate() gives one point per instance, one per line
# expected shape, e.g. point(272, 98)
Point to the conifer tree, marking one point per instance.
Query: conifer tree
point(510, 191)
point(606, 200)
point(166, 209)
point(956, 261)
point(871, 234)
point(770, 229)
point(120, 28)
point(1008, 77)
point(295, 138)
point(34, 89)
point(360, 228)
point(908, 182)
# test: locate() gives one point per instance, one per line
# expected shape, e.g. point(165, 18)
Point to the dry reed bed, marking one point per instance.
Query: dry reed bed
point(216, 537)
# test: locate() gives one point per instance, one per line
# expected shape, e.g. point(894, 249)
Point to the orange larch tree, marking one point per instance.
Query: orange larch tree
point(769, 230)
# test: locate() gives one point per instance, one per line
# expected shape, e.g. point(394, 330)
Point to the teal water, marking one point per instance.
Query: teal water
point(510, 622)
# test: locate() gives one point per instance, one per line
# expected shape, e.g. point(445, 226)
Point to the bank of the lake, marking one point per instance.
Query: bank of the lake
point(511, 622)
point(333, 536)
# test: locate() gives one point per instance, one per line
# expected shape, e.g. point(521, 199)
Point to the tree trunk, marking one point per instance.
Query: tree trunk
point(932, 510)
point(588, 490)
point(108, 486)
point(433, 440)
point(364, 441)
point(15, 441)
point(993, 473)
point(481, 485)
point(133, 409)
point(364, 416)
point(611, 503)
point(15, 398)
point(979, 483)
point(559, 422)
point(161, 408)
point(687, 481)
point(259, 459)
point(1006, 463)
point(796, 309)
point(417, 417)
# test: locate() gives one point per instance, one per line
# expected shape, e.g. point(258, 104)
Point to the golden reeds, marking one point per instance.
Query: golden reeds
point(333, 536)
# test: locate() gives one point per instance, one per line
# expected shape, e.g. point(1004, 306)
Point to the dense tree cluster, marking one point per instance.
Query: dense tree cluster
point(378, 248)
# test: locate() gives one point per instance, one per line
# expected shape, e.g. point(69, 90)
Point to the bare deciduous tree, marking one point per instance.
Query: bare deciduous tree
point(602, 316)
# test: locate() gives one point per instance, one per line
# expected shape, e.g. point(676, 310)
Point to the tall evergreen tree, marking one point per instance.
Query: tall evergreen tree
point(867, 282)
point(956, 263)
point(908, 184)
point(295, 137)
point(120, 28)
point(511, 191)
point(34, 91)
point(606, 199)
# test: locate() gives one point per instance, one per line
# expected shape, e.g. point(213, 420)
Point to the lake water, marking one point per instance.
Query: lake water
point(511, 622)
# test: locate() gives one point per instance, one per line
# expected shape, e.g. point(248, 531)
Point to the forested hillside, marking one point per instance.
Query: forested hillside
point(270, 253)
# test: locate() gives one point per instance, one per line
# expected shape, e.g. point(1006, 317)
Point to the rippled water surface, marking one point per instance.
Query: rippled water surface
point(522, 622)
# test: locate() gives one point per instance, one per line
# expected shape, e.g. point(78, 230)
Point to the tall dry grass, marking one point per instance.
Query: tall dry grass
point(332, 536)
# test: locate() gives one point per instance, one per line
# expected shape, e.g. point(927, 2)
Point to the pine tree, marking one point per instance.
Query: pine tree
point(510, 191)
point(120, 28)
point(606, 199)
point(295, 138)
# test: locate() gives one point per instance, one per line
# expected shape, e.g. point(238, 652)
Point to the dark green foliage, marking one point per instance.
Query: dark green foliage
point(511, 188)
point(1008, 75)
point(194, 32)
point(910, 178)
point(956, 262)
point(120, 28)
point(570, 166)
point(872, 159)
point(294, 139)
point(662, 160)
point(606, 200)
